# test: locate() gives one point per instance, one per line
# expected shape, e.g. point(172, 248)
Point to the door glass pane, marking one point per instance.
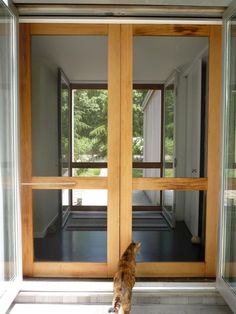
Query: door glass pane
point(170, 106)
point(9, 198)
point(82, 237)
point(161, 239)
point(89, 136)
point(69, 119)
point(229, 227)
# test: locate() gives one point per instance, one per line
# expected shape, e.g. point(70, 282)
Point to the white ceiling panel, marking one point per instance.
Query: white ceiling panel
point(84, 58)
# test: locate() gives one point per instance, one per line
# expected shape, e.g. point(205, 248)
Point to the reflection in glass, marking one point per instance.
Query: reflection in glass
point(83, 237)
point(160, 240)
point(229, 257)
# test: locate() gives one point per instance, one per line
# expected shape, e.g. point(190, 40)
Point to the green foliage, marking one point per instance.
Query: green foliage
point(138, 98)
point(90, 124)
point(87, 172)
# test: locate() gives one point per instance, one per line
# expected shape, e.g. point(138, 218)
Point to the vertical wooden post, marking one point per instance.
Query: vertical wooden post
point(26, 148)
point(113, 230)
point(126, 135)
point(214, 147)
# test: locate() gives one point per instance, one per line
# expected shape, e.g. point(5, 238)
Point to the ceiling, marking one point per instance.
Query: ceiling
point(214, 3)
point(84, 58)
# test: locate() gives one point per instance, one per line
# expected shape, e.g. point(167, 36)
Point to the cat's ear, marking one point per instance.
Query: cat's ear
point(138, 246)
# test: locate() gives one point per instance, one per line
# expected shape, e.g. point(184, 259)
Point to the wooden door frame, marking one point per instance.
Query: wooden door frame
point(29, 182)
point(120, 182)
point(211, 183)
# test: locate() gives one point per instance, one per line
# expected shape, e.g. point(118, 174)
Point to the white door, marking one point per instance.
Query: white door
point(10, 243)
point(226, 278)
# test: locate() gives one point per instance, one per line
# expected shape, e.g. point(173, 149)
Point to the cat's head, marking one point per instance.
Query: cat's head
point(136, 247)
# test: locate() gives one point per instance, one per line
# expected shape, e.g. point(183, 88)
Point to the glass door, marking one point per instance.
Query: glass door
point(227, 258)
point(10, 244)
point(168, 200)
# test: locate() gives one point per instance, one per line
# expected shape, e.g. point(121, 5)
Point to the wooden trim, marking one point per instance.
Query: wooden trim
point(155, 165)
point(88, 86)
point(25, 102)
point(214, 147)
point(126, 136)
point(169, 269)
point(61, 29)
point(26, 146)
point(147, 165)
point(99, 165)
point(27, 231)
point(113, 181)
point(70, 269)
point(180, 184)
point(61, 183)
point(171, 30)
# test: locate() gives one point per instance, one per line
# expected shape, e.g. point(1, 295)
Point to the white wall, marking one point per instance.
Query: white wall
point(152, 139)
point(44, 140)
point(188, 135)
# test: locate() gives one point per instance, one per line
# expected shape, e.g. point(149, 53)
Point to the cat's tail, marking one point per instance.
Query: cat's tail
point(116, 307)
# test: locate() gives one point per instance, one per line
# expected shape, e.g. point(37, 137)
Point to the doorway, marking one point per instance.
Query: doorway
point(132, 170)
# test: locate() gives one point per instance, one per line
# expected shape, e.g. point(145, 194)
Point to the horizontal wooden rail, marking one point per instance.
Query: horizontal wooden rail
point(181, 184)
point(68, 29)
point(171, 269)
point(61, 183)
point(69, 269)
point(171, 30)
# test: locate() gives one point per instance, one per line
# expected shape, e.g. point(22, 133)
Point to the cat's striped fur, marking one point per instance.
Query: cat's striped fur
point(124, 280)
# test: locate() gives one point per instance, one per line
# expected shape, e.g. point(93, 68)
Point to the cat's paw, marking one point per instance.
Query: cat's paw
point(111, 310)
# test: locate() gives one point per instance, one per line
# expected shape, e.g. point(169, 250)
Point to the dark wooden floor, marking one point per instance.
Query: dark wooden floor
point(90, 245)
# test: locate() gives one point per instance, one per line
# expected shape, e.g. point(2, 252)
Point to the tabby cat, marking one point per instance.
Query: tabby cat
point(124, 279)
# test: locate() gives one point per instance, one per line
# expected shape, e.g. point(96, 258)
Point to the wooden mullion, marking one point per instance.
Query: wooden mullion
point(126, 136)
point(214, 148)
point(113, 180)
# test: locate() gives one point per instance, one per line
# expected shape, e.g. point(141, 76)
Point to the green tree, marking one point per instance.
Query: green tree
point(138, 98)
point(90, 124)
